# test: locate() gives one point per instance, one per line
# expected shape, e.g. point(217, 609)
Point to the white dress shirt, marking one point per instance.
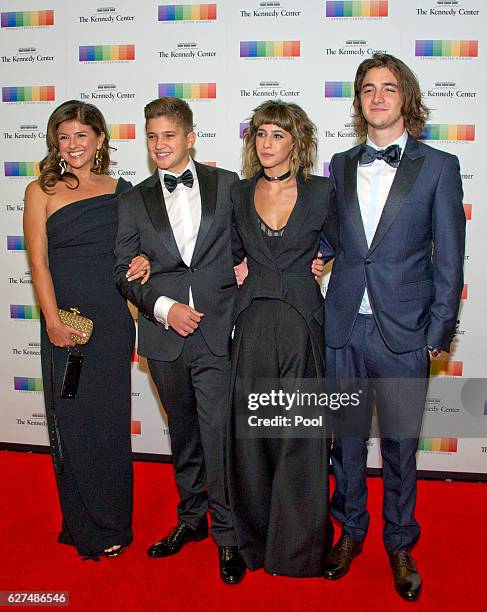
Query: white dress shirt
point(374, 182)
point(183, 207)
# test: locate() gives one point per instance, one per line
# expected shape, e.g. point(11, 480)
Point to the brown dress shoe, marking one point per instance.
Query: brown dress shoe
point(338, 562)
point(407, 579)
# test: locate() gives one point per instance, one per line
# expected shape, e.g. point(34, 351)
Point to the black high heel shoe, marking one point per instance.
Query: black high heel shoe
point(114, 553)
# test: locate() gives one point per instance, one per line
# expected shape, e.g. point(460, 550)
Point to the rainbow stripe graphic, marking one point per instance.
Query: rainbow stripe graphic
point(208, 163)
point(188, 91)
point(21, 168)
point(104, 53)
point(27, 19)
point(187, 12)
point(445, 131)
point(438, 445)
point(465, 292)
point(136, 428)
point(270, 48)
point(121, 131)
point(41, 93)
point(468, 211)
point(22, 311)
point(326, 168)
point(135, 356)
point(23, 383)
point(447, 48)
point(15, 243)
point(446, 368)
point(357, 8)
point(339, 89)
point(243, 127)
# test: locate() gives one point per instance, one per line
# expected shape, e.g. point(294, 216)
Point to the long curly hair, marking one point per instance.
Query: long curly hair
point(414, 111)
point(87, 114)
point(289, 117)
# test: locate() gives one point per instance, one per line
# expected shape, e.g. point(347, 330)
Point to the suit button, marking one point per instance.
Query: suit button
point(367, 262)
point(193, 269)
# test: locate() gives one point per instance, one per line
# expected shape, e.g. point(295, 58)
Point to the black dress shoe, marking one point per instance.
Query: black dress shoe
point(232, 566)
point(179, 536)
point(407, 579)
point(338, 562)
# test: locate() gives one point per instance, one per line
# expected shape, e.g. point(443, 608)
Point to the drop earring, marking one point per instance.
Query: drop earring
point(62, 166)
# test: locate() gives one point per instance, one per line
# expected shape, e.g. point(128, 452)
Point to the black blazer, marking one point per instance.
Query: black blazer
point(414, 267)
point(287, 274)
point(144, 227)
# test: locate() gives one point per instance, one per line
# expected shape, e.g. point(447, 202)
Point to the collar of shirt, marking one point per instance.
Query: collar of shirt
point(401, 141)
point(190, 166)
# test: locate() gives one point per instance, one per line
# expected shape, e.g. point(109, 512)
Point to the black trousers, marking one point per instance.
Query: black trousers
point(398, 384)
point(278, 486)
point(194, 392)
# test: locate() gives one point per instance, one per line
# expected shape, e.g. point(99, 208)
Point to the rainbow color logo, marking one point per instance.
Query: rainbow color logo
point(15, 243)
point(357, 8)
point(23, 383)
point(443, 367)
point(42, 93)
point(438, 445)
point(447, 48)
point(21, 168)
point(187, 12)
point(27, 19)
point(465, 292)
point(188, 91)
point(22, 311)
point(106, 53)
point(135, 356)
point(326, 168)
point(136, 428)
point(444, 131)
point(468, 211)
point(208, 163)
point(270, 48)
point(121, 131)
point(339, 89)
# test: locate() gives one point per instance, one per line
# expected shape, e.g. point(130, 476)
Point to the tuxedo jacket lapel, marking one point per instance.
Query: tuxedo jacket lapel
point(208, 184)
point(298, 213)
point(351, 198)
point(156, 209)
point(407, 172)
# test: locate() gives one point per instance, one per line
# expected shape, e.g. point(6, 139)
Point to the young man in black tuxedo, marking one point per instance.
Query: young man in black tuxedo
point(392, 301)
point(180, 217)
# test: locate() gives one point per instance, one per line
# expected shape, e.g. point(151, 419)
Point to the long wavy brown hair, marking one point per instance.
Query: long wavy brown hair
point(50, 171)
point(414, 111)
point(289, 117)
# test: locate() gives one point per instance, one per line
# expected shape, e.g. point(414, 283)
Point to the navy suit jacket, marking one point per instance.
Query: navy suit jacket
point(413, 268)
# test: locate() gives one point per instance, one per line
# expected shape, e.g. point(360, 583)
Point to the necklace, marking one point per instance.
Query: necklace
point(283, 177)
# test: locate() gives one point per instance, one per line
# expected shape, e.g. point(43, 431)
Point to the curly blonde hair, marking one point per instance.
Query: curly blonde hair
point(291, 118)
point(50, 172)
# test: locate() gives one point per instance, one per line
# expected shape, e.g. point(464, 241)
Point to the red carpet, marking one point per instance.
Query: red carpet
point(451, 554)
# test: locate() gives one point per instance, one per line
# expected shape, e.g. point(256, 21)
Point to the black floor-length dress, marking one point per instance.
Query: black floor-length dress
point(95, 486)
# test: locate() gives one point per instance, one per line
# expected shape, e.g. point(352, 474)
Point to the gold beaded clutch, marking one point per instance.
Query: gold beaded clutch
point(81, 324)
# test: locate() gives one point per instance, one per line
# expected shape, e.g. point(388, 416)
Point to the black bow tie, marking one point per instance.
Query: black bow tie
point(391, 155)
point(171, 181)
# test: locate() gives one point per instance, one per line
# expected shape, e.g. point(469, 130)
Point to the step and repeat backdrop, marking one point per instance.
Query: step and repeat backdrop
point(225, 58)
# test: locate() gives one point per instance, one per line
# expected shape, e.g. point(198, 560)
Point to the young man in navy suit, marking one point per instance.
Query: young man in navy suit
point(392, 302)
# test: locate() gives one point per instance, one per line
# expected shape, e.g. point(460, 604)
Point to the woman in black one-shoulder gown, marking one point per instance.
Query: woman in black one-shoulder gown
point(89, 434)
